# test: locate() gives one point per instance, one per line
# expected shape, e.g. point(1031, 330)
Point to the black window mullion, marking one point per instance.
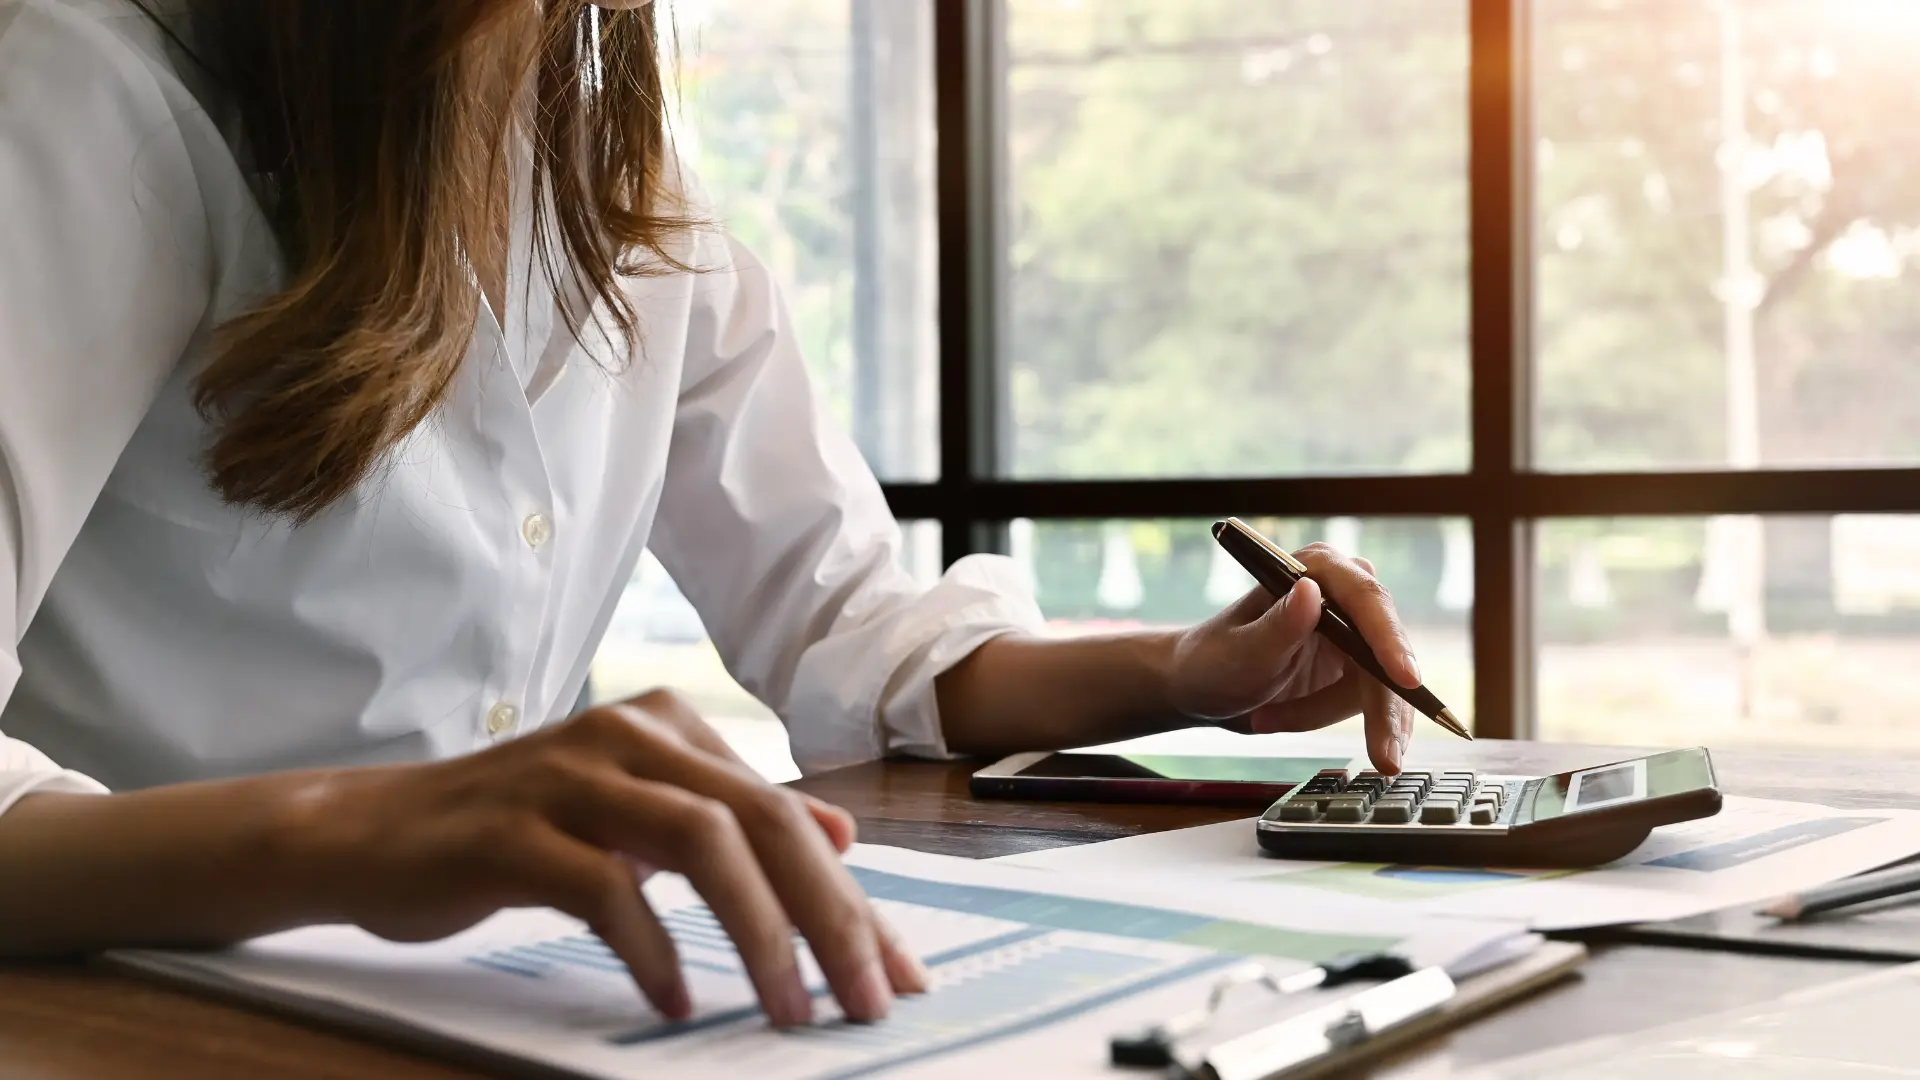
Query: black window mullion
point(969, 88)
point(1499, 141)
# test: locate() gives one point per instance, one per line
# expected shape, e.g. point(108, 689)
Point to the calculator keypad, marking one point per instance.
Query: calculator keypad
point(1336, 797)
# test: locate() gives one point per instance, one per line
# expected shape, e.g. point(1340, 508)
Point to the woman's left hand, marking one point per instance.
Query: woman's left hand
point(1259, 666)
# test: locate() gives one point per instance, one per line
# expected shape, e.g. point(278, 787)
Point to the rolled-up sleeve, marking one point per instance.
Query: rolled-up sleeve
point(775, 528)
point(104, 270)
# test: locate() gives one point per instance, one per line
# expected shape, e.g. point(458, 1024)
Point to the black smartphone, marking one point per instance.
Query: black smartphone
point(1224, 780)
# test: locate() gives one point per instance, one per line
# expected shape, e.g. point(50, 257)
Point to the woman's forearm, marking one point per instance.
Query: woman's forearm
point(1020, 692)
point(194, 865)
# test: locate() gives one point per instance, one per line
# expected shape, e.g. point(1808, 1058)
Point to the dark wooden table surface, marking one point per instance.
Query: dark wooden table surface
point(68, 1023)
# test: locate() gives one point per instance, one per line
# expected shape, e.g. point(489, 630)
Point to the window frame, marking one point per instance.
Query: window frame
point(1501, 494)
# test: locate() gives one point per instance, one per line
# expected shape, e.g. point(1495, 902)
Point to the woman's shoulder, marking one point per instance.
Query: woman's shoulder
point(97, 30)
point(116, 115)
point(136, 50)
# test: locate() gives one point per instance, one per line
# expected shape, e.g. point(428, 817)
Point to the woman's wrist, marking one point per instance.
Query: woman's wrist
point(1022, 692)
point(306, 846)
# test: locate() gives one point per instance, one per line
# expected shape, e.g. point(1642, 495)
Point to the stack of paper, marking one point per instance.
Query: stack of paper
point(1753, 850)
point(1036, 969)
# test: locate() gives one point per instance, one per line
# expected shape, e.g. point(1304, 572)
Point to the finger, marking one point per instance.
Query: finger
point(686, 721)
point(792, 855)
point(842, 832)
point(1289, 622)
point(1322, 708)
point(1370, 606)
point(904, 969)
point(681, 831)
point(601, 890)
point(1406, 719)
point(1250, 607)
point(1384, 729)
point(821, 896)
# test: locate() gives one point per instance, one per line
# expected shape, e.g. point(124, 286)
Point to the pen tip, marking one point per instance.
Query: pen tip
point(1454, 725)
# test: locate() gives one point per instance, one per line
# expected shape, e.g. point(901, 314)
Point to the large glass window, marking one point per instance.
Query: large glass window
point(1728, 233)
point(1794, 631)
point(1238, 237)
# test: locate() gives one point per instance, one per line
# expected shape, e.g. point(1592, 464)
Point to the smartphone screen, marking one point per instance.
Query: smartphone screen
point(1226, 770)
point(1154, 777)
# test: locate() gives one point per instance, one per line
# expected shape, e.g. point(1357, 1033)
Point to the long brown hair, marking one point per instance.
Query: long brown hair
point(380, 131)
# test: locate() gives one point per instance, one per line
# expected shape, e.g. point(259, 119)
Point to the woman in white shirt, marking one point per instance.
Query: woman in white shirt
point(351, 351)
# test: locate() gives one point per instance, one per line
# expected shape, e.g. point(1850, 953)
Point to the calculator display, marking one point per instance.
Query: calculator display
point(1656, 777)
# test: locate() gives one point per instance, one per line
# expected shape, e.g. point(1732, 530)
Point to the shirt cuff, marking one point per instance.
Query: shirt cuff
point(25, 771)
point(883, 700)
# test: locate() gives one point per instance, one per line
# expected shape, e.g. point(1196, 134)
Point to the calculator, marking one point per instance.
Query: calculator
point(1462, 818)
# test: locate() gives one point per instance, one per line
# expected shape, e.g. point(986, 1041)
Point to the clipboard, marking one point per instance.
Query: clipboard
point(1338, 1032)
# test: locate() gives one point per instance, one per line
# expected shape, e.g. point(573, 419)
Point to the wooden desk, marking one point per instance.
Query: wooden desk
point(60, 1023)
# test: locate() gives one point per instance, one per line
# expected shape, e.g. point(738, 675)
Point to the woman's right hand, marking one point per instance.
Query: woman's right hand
point(573, 817)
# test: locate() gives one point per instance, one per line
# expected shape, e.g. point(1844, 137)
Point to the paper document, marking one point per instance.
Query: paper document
point(1850, 1028)
point(1753, 850)
point(1033, 970)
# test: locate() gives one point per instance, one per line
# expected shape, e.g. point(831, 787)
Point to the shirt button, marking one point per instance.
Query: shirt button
point(536, 531)
point(502, 719)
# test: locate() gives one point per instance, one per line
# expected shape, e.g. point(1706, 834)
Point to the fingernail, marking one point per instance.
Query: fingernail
point(1393, 755)
point(793, 1006)
point(1413, 666)
point(871, 997)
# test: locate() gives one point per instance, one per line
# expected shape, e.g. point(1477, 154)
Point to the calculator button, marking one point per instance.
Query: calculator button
point(1346, 809)
point(1484, 813)
point(1304, 810)
point(1440, 813)
point(1393, 812)
point(1418, 777)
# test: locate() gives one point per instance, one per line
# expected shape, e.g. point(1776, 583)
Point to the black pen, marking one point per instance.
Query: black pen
point(1277, 571)
point(1896, 881)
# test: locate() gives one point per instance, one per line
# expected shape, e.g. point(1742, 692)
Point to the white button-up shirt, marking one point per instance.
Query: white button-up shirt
point(150, 634)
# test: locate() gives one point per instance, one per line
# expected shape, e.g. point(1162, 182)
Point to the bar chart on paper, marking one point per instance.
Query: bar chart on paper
point(1036, 969)
point(1008, 962)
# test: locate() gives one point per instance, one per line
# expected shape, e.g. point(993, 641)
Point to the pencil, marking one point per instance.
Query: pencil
point(1277, 571)
point(1847, 892)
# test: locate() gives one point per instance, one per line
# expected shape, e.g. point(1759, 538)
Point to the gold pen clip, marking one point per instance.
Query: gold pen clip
point(1286, 558)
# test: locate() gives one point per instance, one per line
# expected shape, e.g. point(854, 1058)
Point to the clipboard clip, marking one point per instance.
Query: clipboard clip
point(1278, 1050)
